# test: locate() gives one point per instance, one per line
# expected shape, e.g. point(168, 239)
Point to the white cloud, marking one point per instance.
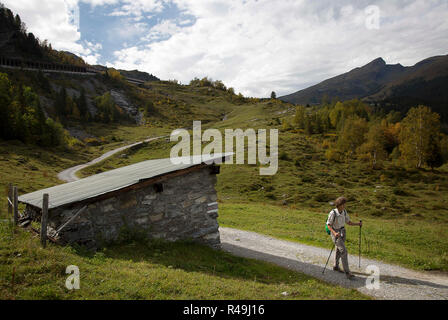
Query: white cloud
point(41, 17)
point(53, 20)
point(164, 29)
point(254, 46)
point(137, 7)
point(95, 3)
point(260, 46)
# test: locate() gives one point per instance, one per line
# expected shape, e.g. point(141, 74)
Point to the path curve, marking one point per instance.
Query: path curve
point(69, 175)
point(395, 282)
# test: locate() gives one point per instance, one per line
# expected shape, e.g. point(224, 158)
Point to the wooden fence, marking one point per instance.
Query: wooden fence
point(13, 209)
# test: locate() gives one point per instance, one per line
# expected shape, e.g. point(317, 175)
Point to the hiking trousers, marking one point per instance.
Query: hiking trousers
point(341, 250)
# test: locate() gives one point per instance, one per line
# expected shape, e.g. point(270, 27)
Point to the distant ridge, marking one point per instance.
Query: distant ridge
point(387, 85)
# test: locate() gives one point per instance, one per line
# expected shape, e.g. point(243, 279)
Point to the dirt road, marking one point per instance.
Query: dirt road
point(394, 282)
point(69, 174)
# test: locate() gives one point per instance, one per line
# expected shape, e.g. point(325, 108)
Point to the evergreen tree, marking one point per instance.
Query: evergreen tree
point(435, 156)
point(5, 103)
point(81, 103)
point(149, 108)
point(60, 103)
point(22, 118)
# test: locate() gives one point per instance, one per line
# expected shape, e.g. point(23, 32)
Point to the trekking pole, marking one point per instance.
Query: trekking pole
point(334, 245)
point(359, 263)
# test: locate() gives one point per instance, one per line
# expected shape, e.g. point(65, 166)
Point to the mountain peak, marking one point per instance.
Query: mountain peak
point(378, 61)
point(385, 83)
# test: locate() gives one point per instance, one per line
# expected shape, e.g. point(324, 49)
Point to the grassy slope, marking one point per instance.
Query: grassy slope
point(405, 211)
point(135, 270)
point(154, 270)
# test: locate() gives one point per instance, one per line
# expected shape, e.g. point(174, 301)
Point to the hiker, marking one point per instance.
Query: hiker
point(337, 219)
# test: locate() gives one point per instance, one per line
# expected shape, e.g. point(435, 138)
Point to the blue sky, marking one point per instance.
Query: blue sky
point(255, 46)
point(105, 25)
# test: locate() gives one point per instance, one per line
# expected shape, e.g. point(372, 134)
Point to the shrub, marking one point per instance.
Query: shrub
point(399, 192)
point(270, 195)
point(92, 142)
point(321, 197)
point(307, 179)
point(284, 156)
point(333, 155)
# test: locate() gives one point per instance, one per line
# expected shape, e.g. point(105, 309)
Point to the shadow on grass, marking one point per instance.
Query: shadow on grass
point(194, 257)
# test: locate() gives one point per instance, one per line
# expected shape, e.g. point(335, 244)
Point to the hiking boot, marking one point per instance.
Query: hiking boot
point(350, 276)
point(336, 268)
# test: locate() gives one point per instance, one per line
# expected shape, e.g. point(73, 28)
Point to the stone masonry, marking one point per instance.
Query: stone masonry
point(186, 208)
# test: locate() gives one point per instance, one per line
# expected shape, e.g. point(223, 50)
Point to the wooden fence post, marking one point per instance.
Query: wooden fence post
point(10, 197)
point(43, 225)
point(16, 205)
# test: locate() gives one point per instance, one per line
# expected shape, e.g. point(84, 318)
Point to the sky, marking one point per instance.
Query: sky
point(254, 46)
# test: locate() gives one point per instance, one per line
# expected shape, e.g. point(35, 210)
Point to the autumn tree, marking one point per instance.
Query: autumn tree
point(375, 145)
point(352, 135)
point(344, 110)
point(419, 136)
point(392, 135)
point(299, 118)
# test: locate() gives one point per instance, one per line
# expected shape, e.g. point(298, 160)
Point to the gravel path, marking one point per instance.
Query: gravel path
point(395, 282)
point(69, 175)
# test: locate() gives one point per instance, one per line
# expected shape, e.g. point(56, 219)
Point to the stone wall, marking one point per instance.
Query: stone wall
point(185, 209)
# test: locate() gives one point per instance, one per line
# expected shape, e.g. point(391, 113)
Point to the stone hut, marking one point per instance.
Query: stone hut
point(156, 198)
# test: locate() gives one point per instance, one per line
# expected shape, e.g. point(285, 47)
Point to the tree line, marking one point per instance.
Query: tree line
point(415, 140)
point(30, 45)
point(22, 117)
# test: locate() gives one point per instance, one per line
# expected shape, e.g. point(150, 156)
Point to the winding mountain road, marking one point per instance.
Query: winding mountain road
point(69, 175)
point(395, 282)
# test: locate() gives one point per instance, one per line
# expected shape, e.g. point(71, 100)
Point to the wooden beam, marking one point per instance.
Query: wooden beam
point(10, 199)
point(16, 205)
point(44, 219)
point(71, 219)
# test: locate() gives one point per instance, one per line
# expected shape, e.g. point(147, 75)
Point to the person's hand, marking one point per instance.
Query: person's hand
point(337, 235)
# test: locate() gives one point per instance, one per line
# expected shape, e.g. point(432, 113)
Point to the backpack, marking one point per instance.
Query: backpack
point(326, 226)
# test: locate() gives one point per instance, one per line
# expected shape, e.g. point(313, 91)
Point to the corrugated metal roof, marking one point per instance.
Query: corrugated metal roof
point(109, 181)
